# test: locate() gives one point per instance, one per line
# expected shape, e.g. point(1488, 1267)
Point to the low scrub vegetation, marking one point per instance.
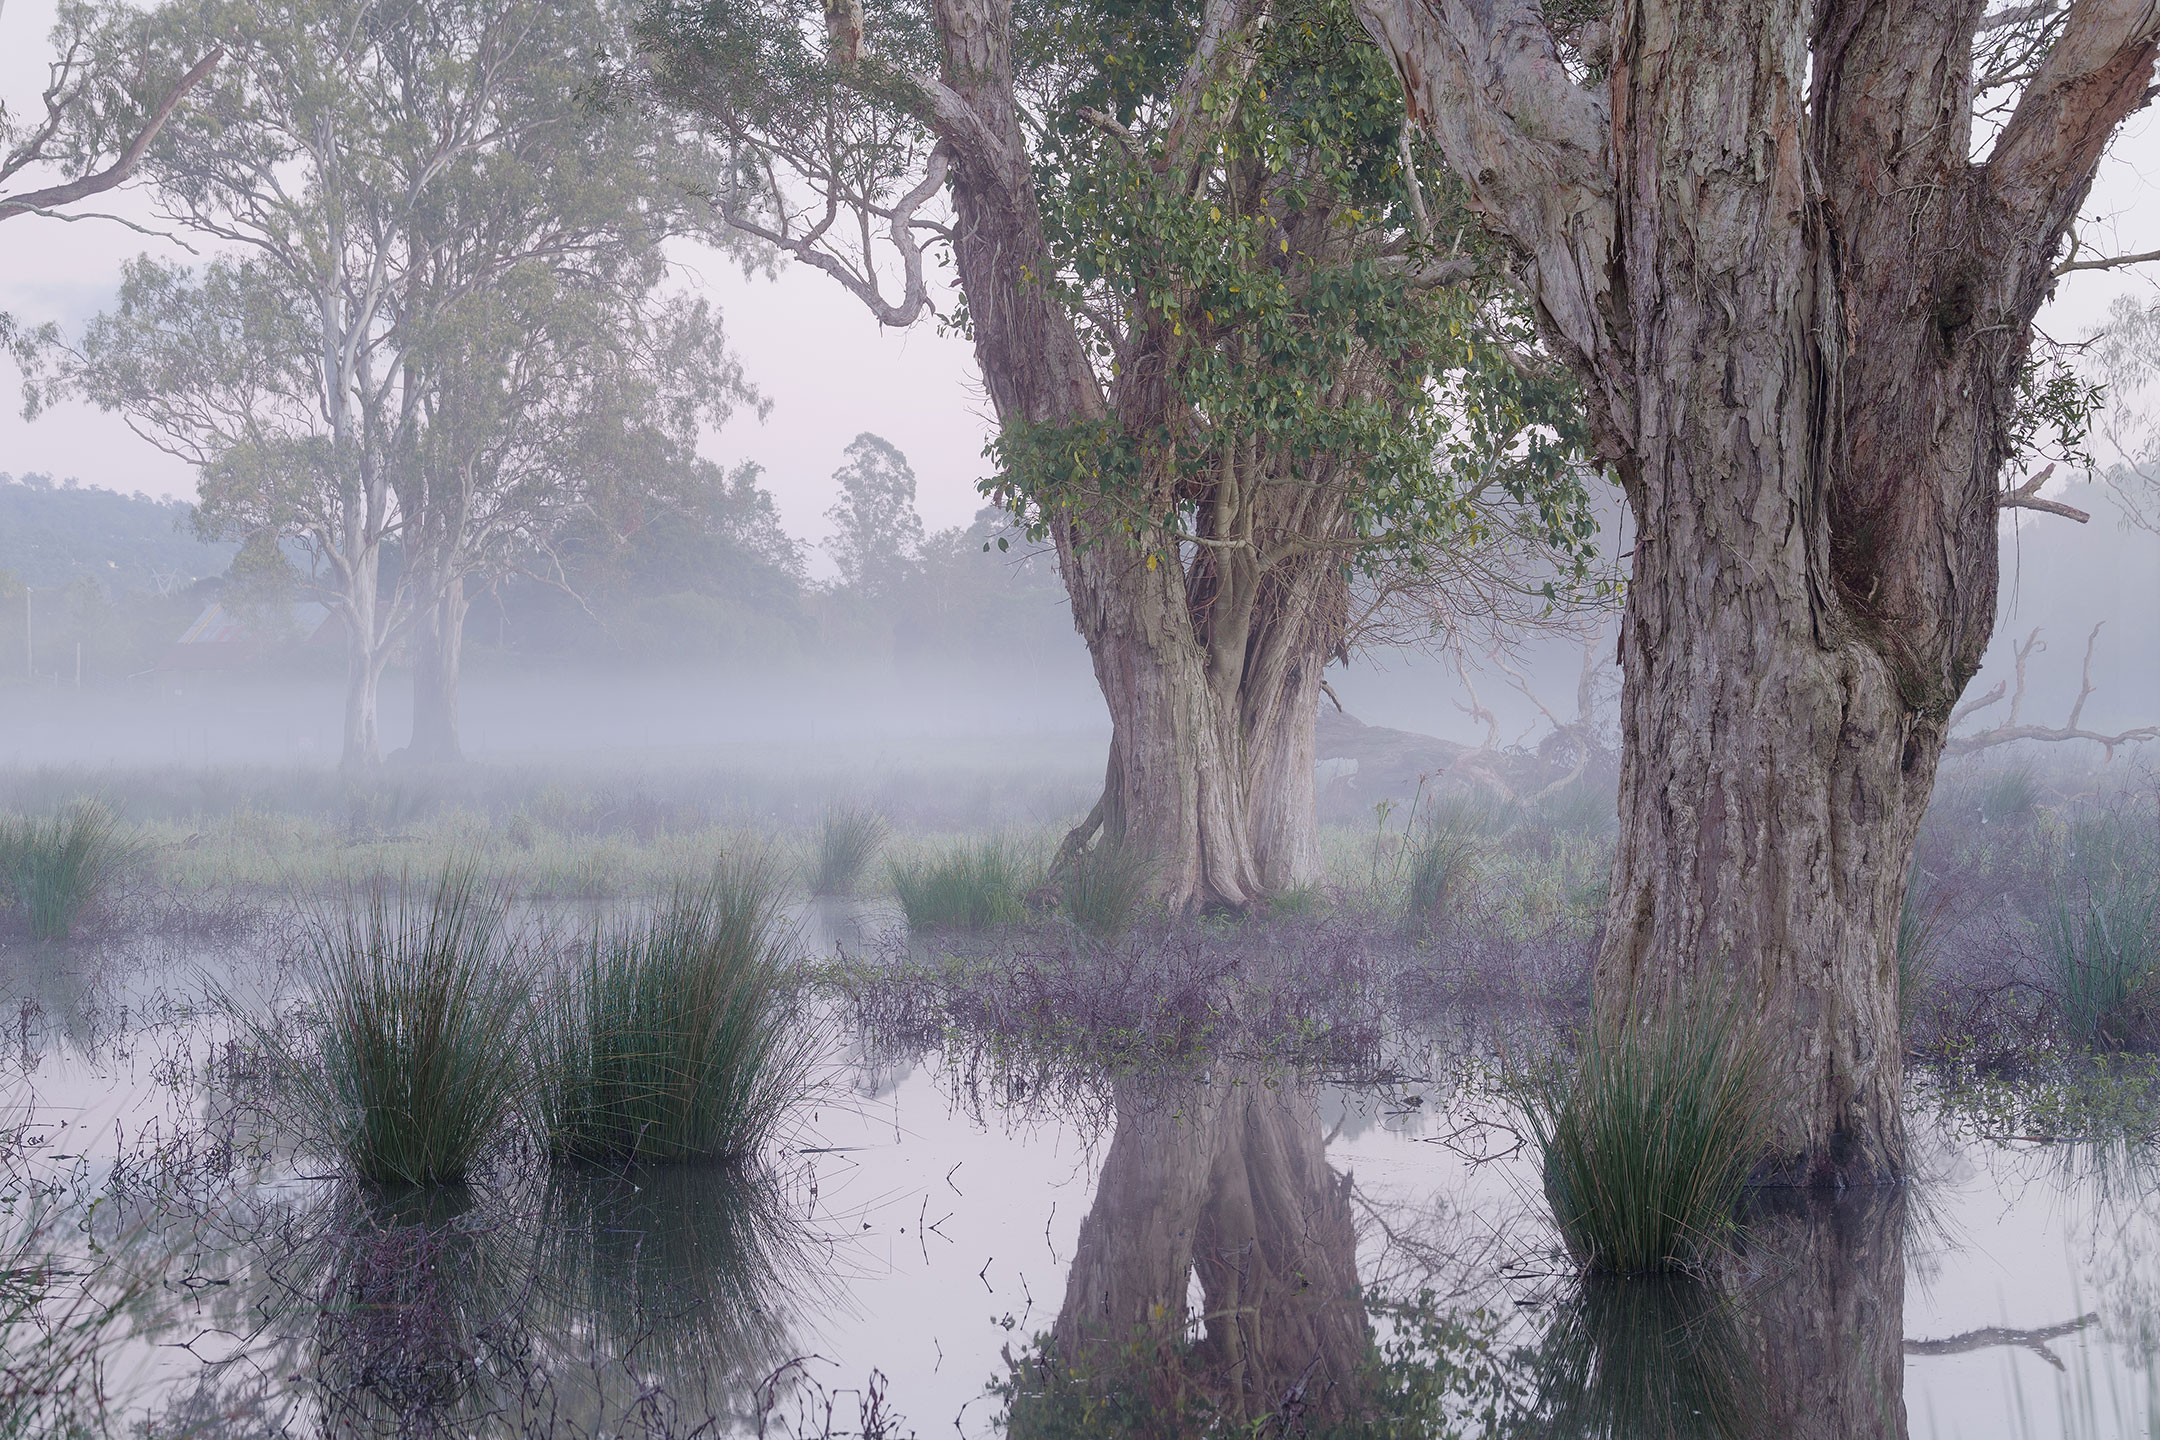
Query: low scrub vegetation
point(675, 1038)
point(971, 887)
point(1648, 1140)
point(57, 867)
point(423, 1003)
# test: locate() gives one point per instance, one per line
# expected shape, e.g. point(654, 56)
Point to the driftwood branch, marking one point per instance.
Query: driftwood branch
point(2012, 728)
point(2033, 1340)
point(46, 200)
point(2027, 497)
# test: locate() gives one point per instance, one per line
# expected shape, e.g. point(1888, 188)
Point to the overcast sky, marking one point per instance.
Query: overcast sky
point(829, 370)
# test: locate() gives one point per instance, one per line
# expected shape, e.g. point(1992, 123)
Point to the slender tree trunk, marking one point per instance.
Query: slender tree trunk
point(363, 741)
point(437, 663)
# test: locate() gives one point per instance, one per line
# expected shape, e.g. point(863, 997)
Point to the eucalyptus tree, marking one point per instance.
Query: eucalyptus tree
point(404, 194)
point(1792, 250)
point(1237, 349)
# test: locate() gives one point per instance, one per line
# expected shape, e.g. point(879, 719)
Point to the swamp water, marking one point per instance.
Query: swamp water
point(1227, 1243)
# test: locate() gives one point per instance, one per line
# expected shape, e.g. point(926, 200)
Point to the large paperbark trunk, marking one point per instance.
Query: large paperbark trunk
point(1799, 311)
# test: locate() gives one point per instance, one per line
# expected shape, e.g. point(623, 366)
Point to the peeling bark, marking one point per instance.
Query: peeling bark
point(1799, 308)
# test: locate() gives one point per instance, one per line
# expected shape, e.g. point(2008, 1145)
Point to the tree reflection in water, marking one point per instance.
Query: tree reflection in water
point(1223, 1192)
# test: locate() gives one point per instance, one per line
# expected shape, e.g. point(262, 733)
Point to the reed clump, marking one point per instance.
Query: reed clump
point(58, 866)
point(1105, 889)
point(1441, 861)
point(2101, 948)
point(1648, 1140)
point(972, 887)
point(424, 1007)
point(848, 840)
point(676, 1038)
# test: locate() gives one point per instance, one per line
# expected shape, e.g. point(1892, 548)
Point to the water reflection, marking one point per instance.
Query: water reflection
point(593, 1300)
point(1217, 1192)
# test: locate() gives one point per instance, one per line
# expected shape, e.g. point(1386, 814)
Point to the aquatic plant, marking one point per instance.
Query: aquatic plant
point(1441, 864)
point(677, 1037)
point(58, 866)
point(1647, 1355)
point(1649, 1138)
point(1104, 889)
point(969, 887)
point(2101, 949)
point(2010, 795)
point(1919, 936)
point(848, 840)
point(424, 1008)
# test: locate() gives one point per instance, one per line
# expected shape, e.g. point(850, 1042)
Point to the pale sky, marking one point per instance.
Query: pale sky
point(828, 368)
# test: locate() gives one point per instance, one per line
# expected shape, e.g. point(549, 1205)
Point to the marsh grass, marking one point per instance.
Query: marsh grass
point(1649, 1355)
point(676, 1037)
point(973, 886)
point(1648, 1140)
point(1105, 890)
point(1919, 939)
point(57, 867)
point(2100, 948)
point(2010, 795)
point(847, 841)
point(424, 1008)
point(1442, 860)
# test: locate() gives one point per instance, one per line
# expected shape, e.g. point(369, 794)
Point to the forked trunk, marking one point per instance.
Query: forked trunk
point(438, 659)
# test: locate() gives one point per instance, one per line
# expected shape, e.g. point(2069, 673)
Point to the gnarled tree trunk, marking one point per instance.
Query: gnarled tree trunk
point(1799, 310)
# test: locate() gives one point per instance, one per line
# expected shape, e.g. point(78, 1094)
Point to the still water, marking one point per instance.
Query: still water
point(1224, 1240)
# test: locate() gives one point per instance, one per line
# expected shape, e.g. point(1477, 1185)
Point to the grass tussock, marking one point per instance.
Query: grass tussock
point(1105, 890)
point(847, 841)
point(1649, 1139)
point(2101, 949)
point(57, 867)
point(1441, 863)
point(677, 1038)
point(424, 1007)
point(971, 887)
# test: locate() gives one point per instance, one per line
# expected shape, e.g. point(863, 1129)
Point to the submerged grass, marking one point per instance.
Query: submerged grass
point(58, 866)
point(971, 887)
point(424, 1010)
point(847, 841)
point(1649, 1139)
point(677, 1037)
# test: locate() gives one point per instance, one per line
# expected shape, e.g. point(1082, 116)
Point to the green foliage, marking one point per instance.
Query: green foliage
point(59, 866)
point(1919, 938)
point(677, 1038)
point(1104, 889)
point(424, 1009)
point(1442, 860)
point(847, 841)
point(970, 887)
point(1649, 1139)
point(2010, 795)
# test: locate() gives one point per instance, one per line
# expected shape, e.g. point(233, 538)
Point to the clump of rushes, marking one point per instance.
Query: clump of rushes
point(676, 1037)
point(848, 841)
point(1649, 1139)
point(1919, 936)
point(2102, 949)
point(1104, 889)
point(1442, 862)
point(972, 887)
point(59, 866)
point(424, 1008)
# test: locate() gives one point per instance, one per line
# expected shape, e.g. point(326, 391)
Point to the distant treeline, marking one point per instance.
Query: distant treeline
point(707, 577)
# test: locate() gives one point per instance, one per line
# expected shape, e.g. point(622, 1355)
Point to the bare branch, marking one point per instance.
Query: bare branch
point(2027, 497)
point(2108, 262)
point(2011, 730)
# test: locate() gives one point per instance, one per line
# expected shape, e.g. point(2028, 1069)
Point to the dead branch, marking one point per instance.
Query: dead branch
point(2011, 730)
point(2033, 1340)
point(2027, 497)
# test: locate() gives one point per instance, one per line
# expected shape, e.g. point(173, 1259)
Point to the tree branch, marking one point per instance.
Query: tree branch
point(2011, 730)
point(2027, 497)
point(40, 201)
point(2107, 262)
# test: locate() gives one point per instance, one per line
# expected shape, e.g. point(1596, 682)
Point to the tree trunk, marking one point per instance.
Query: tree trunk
point(363, 742)
point(1800, 312)
point(437, 663)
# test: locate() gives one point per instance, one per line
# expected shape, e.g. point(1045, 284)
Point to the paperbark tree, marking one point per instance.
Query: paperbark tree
point(1232, 355)
point(1797, 283)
